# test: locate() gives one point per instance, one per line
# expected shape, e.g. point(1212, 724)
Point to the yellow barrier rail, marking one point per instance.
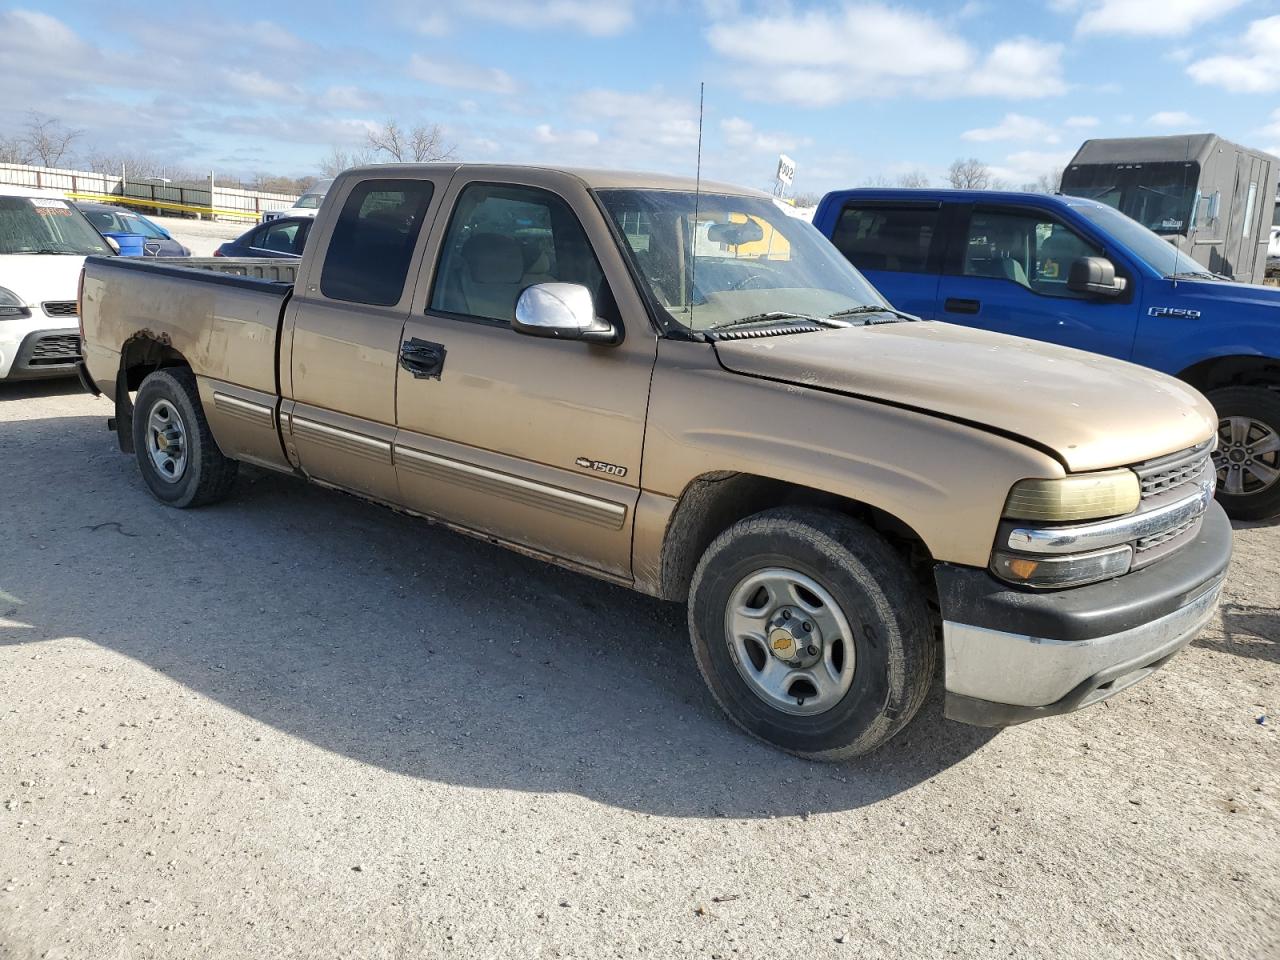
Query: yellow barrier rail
point(165, 205)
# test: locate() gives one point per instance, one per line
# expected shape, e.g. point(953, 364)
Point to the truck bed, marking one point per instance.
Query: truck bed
point(271, 270)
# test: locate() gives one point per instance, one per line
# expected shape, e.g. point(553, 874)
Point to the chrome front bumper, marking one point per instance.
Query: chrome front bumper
point(1013, 656)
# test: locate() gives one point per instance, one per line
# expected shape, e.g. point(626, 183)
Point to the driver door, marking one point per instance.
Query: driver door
point(534, 441)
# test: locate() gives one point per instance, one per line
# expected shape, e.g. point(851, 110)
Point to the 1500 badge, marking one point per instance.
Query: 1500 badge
point(612, 469)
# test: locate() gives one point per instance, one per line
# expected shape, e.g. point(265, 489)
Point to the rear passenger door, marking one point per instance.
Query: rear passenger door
point(343, 328)
point(898, 247)
point(534, 441)
point(1008, 272)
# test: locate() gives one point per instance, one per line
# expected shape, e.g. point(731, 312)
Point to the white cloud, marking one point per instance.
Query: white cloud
point(543, 133)
point(1081, 122)
point(1014, 126)
point(1020, 68)
point(466, 76)
point(653, 117)
point(866, 49)
point(1272, 129)
point(1253, 68)
point(599, 18)
point(1026, 166)
point(251, 83)
point(742, 134)
point(349, 98)
point(1159, 18)
point(1172, 118)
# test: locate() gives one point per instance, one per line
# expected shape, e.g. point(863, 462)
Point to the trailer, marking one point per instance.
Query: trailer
point(1211, 198)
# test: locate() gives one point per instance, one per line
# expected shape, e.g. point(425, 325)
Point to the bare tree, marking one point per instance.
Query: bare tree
point(339, 160)
point(971, 174)
point(135, 166)
point(12, 150)
point(47, 140)
point(879, 180)
point(914, 179)
point(421, 143)
point(804, 199)
point(1048, 182)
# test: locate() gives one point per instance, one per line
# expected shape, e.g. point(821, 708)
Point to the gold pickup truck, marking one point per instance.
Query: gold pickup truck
point(680, 388)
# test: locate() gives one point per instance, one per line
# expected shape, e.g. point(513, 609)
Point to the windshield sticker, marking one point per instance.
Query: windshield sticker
point(46, 207)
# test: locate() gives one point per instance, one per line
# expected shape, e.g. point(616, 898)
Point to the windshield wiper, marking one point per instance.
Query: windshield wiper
point(868, 309)
point(778, 315)
point(1196, 275)
point(43, 251)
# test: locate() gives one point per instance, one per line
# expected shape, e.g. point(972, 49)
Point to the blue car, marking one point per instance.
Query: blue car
point(277, 238)
point(1082, 274)
point(136, 235)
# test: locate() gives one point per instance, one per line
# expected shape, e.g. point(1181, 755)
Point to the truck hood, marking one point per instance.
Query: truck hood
point(36, 278)
point(1092, 412)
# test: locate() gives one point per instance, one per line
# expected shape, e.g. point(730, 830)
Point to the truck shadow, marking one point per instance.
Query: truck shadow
point(399, 643)
point(32, 389)
point(1247, 631)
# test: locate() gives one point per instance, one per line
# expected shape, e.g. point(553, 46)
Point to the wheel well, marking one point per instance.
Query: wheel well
point(141, 354)
point(1232, 371)
point(714, 502)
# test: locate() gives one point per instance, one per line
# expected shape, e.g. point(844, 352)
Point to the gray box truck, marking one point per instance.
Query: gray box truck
point(1212, 198)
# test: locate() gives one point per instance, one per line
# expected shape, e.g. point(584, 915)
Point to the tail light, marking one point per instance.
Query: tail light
point(218, 252)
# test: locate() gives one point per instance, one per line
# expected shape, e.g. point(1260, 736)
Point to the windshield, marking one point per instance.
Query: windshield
point(1159, 254)
point(119, 221)
point(309, 201)
point(739, 257)
point(1158, 195)
point(46, 225)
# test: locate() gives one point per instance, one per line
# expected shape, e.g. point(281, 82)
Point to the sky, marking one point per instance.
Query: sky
point(851, 91)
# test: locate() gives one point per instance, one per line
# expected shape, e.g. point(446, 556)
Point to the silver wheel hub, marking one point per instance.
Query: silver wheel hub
point(1248, 456)
point(790, 641)
point(167, 441)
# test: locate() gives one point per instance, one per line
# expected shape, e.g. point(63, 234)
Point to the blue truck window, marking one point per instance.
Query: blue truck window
point(1029, 249)
point(886, 238)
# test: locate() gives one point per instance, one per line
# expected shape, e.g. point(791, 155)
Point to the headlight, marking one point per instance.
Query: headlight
point(1062, 571)
point(11, 305)
point(1088, 496)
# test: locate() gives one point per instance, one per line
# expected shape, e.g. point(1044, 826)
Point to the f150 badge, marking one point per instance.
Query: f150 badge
point(1179, 313)
point(612, 469)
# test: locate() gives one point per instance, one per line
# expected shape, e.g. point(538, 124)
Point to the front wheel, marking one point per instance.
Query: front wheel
point(1248, 454)
point(811, 633)
point(179, 459)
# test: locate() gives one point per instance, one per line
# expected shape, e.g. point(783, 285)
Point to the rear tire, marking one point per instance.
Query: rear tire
point(180, 462)
point(1248, 454)
point(858, 665)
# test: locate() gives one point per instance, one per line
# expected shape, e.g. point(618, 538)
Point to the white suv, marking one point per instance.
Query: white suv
point(43, 242)
point(1273, 248)
point(307, 205)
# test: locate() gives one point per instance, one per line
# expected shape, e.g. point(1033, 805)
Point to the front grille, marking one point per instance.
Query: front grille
point(1168, 473)
point(1146, 544)
point(60, 308)
point(1167, 479)
point(54, 348)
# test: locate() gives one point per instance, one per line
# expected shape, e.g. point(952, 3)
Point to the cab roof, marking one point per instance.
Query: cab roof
point(591, 177)
point(9, 190)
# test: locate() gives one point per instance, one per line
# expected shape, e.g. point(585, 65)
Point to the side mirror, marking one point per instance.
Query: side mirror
point(1096, 275)
point(113, 243)
point(561, 310)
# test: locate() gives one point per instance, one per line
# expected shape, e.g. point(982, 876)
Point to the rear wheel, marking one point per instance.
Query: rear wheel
point(180, 462)
point(1248, 454)
point(810, 632)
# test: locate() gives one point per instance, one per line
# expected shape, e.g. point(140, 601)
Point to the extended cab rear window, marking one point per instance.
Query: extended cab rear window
point(887, 238)
point(372, 243)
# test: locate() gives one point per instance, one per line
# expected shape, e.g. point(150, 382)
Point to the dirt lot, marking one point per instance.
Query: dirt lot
point(298, 725)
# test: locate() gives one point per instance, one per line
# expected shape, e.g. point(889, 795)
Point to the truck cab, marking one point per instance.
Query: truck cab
point(1079, 273)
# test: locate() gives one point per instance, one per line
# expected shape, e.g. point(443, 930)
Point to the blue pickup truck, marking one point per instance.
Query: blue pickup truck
point(1079, 273)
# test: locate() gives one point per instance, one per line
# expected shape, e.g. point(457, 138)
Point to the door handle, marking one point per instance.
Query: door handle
point(960, 305)
point(422, 359)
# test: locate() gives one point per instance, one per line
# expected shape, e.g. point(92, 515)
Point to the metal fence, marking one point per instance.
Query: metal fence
point(220, 203)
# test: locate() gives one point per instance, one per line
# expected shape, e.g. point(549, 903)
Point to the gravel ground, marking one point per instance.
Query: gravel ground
point(201, 237)
point(298, 725)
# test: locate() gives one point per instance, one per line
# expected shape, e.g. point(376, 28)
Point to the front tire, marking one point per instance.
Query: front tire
point(1248, 454)
point(811, 633)
point(180, 462)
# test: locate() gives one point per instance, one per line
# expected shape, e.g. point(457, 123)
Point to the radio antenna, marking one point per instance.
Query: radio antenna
point(697, 193)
